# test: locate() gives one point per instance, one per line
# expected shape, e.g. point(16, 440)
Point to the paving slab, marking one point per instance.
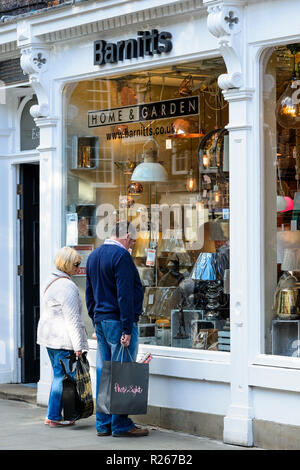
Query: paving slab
point(22, 428)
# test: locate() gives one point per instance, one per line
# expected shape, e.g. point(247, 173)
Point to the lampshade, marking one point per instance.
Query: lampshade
point(150, 171)
point(211, 266)
point(281, 204)
point(289, 204)
point(291, 259)
point(128, 96)
point(287, 239)
point(184, 126)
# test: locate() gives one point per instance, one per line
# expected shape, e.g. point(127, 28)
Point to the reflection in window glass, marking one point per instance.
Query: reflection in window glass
point(152, 148)
point(282, 199)
point(30, 133)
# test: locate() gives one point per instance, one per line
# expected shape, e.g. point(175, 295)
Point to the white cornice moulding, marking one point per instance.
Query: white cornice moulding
point(117, 20)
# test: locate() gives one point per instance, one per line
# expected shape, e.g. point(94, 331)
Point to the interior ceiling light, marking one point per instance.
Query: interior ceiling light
point(134, 188)
point(120, 128)
point(128, 96)
point(126, 167)
point(186, 86)
point(191, 184)
point(150, 171)
point(186, 128)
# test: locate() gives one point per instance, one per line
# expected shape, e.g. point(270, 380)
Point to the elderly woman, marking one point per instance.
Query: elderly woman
point(61, 327)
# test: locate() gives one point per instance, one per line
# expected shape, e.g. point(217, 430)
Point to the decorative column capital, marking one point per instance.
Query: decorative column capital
point(225, 22)
point(35, 58)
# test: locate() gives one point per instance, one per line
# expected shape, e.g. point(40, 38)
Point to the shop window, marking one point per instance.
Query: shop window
point(281, 95)
point(152, 148)
point(29, 132)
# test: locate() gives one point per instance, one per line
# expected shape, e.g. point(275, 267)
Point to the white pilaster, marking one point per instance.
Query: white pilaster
point(225, 21)
point(238, 422)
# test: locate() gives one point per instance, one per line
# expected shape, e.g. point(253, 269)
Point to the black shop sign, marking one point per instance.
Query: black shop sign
point(167, 109)
point(146, 43)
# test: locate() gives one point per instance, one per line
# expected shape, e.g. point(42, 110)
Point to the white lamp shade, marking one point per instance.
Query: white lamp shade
point(149, 172)
point(291, 259)
point(281, 203)
point(287, 239)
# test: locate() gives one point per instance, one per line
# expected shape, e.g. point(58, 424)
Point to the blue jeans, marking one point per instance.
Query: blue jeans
point(108, 340)
point(55, 396)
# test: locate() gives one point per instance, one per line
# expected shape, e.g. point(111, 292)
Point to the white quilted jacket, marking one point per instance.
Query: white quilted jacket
point(61, 324)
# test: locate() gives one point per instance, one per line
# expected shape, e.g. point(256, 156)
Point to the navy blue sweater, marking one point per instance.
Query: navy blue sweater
point(113, 287)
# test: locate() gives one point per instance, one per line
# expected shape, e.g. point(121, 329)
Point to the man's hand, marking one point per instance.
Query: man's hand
point(125, 340)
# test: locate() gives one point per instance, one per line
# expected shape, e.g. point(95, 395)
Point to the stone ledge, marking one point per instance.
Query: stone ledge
point(276, 436)
point(191, 422)
point(18, 392)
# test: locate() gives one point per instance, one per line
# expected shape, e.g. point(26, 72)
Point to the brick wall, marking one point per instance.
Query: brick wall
point(16, 7)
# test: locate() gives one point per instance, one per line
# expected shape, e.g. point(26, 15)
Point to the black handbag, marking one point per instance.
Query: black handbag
point(77, 394)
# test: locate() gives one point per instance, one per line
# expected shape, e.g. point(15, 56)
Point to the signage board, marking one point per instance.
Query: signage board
point(167, 109)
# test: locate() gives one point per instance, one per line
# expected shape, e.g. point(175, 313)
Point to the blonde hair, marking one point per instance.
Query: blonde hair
point(66, 258)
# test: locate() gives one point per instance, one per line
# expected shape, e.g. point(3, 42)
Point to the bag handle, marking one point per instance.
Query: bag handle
point(63, 367)
point(59, 277)
point(122, 348)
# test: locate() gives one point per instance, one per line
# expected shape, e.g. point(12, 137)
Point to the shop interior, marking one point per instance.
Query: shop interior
point(282, 152)
point(170, 178)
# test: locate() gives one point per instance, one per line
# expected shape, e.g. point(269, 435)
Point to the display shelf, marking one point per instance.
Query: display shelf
point(87, 221)
point(286, 337)
point(85, 152)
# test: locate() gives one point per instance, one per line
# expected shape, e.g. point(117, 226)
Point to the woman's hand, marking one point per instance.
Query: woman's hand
point(78, 354)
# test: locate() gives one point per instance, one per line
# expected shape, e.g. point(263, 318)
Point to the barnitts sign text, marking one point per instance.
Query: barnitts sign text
point(145, 112)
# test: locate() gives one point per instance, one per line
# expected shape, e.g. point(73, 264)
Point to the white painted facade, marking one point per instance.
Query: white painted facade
point(244, 384)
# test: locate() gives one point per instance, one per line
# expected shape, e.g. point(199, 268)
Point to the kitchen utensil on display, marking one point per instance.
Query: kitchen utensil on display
point(288, 304)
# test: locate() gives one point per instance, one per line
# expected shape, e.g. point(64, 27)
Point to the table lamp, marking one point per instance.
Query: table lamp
point(291, 260)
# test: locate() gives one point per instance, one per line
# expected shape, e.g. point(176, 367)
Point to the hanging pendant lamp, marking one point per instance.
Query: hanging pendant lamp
point(150, 171)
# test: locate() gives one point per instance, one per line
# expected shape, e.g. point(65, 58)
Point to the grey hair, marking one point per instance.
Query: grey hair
point(121, 229)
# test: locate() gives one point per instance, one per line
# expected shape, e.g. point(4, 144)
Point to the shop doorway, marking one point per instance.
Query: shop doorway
point(28, 214)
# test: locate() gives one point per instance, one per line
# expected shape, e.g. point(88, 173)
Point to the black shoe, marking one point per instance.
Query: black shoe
point(103, 433)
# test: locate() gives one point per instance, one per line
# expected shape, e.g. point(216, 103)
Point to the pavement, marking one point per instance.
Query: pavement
point(24, 429)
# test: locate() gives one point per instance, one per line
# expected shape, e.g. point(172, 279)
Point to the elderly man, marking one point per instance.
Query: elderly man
point(114, 298)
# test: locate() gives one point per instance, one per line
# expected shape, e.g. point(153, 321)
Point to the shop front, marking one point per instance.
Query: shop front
point(181, 118)
point(144, 140)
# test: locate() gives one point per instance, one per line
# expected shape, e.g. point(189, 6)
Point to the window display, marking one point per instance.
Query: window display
point(151, 148)
point(282, 191)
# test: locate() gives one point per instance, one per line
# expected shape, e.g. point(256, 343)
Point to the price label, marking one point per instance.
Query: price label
point(150, 257)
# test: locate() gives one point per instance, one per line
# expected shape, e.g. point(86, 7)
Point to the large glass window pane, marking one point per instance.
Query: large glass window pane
point(151, 147)
point(282, 199)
